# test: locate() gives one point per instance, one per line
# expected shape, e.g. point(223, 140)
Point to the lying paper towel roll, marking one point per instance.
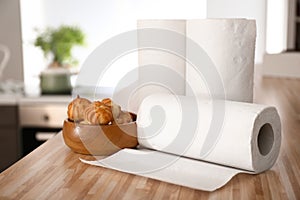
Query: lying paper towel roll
point(249, 139)
point(173, 130)
point(230, 44)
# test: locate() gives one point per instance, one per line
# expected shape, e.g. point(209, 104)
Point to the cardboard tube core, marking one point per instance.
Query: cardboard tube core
point(265, 139)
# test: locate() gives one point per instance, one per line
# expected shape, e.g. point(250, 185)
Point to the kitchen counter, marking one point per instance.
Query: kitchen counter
point(84, 91)
point(16, 99)
point(53, 171)
point(9, 99)
point(64, 99)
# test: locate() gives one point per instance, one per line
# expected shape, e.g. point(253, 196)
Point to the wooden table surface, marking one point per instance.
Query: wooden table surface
point(54, 172)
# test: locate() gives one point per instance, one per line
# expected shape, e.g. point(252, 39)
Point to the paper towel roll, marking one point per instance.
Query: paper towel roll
point(157, 56)
point(230, 43)
point(249, 137)
point(170, 151)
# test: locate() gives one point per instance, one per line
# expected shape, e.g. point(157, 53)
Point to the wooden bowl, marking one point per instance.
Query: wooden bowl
point(99, 139)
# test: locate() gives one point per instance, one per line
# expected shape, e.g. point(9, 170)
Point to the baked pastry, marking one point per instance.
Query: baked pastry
point(124, 117)
point(115, 108)
point(98, 113)
point(76, 108)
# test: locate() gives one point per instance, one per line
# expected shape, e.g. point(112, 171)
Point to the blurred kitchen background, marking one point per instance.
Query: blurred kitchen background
point(28, 118)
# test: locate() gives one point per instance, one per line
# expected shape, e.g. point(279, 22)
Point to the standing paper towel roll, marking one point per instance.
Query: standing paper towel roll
point(160, 61)
point(160, 56)
point(249, 142)
point(230, 44)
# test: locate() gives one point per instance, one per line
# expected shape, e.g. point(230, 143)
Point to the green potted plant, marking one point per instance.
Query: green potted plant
point(57, 44)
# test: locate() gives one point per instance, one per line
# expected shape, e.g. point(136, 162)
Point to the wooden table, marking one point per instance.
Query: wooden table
point(54, 172)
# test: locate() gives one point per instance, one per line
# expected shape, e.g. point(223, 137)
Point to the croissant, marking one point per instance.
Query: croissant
point(76, 108)
point(115, 108)
point(124, 117)
point(98, 113)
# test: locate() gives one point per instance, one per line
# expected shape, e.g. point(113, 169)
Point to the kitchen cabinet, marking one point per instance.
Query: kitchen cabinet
point(293, 37)
point(9, 135)
point(297, 21)
point(20, 115)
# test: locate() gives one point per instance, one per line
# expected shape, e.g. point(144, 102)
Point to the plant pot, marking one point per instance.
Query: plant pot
point(56, 81)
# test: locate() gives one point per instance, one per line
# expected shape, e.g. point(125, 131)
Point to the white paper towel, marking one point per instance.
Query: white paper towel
point(230, 44)
point(157, 57)
point(173, 131)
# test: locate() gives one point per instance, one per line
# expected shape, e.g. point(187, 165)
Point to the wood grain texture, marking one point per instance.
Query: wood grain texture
point(99, 139)
point(54, 172)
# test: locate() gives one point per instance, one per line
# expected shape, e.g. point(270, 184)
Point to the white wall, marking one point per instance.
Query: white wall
point(277, 26)
point(251, 9)
point(100, 20)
